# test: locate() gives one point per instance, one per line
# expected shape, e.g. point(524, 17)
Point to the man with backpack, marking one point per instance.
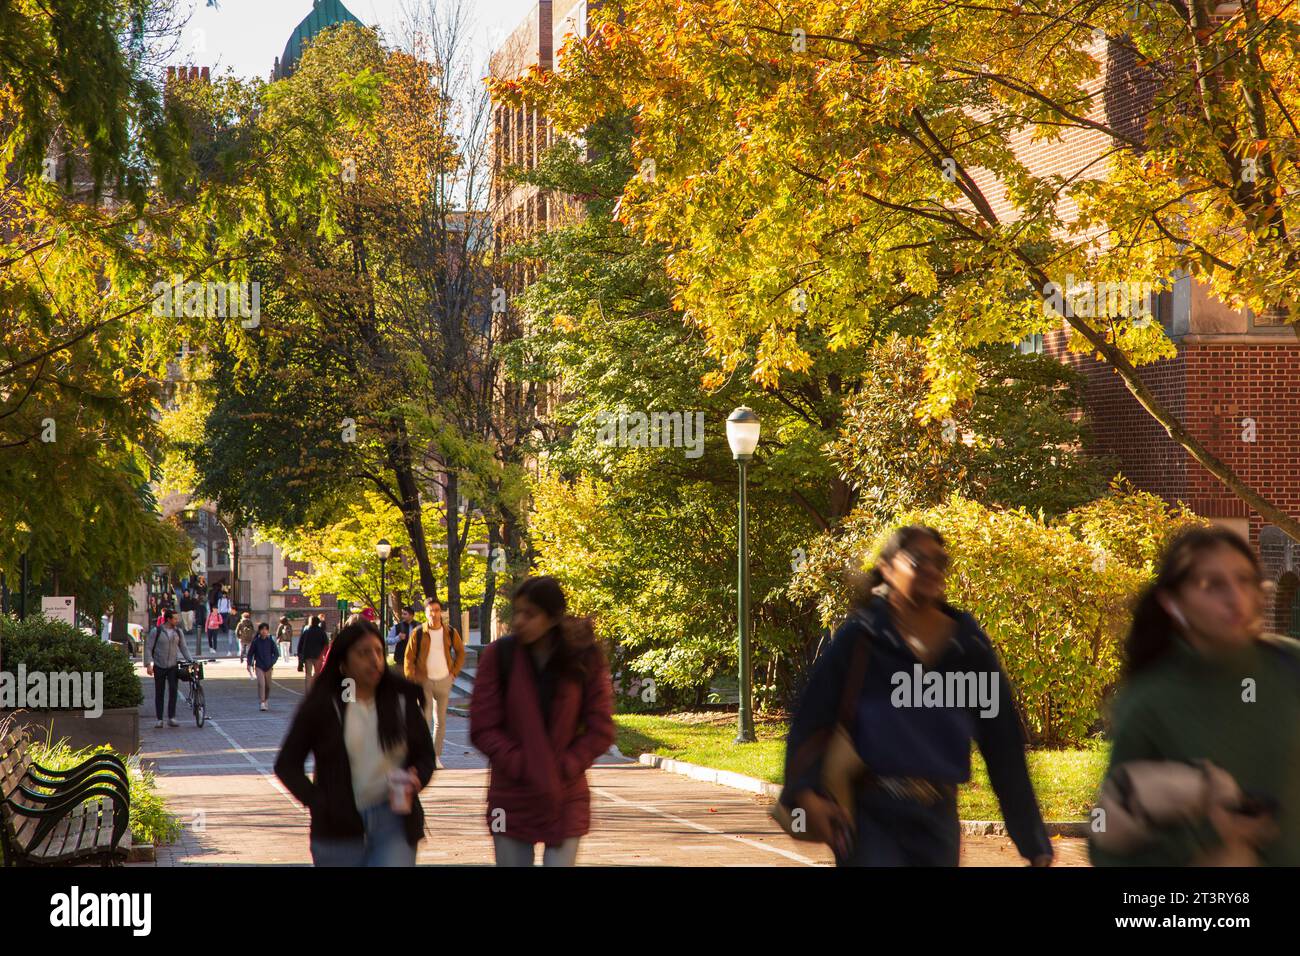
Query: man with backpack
point(244, 633)
point(263, 652)
point(435, 654)
point(163, 650)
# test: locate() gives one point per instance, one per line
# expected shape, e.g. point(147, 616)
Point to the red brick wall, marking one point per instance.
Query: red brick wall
point(1229, 383)
point(1123, 430)
point(1211, 388)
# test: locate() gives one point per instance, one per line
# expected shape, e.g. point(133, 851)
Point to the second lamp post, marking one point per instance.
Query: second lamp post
point(383, 549)
point(742, 436)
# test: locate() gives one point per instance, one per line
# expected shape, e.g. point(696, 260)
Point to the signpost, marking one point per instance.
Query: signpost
point(60, 609)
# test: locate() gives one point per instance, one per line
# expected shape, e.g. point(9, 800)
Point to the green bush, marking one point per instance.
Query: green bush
point(53, 646)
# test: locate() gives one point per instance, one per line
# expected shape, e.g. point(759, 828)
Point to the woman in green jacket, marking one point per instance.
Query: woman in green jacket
point(1205, 687)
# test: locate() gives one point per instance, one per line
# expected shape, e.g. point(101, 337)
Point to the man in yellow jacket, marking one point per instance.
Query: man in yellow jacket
point(434, 656)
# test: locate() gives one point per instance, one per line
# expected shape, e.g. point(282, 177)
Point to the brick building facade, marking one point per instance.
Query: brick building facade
point(1235, 382)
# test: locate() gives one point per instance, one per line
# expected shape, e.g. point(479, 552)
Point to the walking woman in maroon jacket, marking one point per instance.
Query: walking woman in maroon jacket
point(542, 713)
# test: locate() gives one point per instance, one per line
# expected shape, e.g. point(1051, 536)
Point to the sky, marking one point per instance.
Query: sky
point(247, 35)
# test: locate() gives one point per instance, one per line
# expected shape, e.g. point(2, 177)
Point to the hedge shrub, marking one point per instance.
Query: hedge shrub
point(53, 646)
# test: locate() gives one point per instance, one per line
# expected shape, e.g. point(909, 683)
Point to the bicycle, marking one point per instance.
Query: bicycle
point(191, 673)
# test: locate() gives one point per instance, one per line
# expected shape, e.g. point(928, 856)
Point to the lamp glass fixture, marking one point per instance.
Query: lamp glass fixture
point(742, 432)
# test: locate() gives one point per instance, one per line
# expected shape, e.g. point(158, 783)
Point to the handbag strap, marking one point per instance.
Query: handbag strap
point(815, 745)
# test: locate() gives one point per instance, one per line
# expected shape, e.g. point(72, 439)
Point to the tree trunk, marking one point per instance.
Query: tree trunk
point(399, 459)
point(453, 548)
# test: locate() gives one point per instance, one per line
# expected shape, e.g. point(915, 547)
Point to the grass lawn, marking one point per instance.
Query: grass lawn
point(1065, 780)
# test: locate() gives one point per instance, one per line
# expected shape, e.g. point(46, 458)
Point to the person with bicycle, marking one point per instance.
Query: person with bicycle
point(163, 651)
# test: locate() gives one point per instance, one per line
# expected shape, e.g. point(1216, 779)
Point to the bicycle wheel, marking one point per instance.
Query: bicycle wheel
point(200, 707)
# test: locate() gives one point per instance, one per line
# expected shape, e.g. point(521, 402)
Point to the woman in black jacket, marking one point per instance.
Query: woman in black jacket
point(366, 728)
point(908, 683)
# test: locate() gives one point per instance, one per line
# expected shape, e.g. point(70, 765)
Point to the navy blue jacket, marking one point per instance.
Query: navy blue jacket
point(932, 743)
point(263, 652)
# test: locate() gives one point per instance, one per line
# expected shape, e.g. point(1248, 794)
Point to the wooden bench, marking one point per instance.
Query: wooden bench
point(61, 817)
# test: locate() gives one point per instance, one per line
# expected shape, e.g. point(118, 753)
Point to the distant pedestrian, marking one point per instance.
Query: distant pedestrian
point(263, 652)
point(434, 656)
point(163, 650)
point(402, 633)
point(188, 608)
point(244, 633)
point(214, 625)
point(284, 637)
point(364, 726)
point(542, 714)
point(312, 643)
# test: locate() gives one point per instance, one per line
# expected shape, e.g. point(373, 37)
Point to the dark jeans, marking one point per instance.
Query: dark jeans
point(212, 639)
point(164, 676)
point(894, 832)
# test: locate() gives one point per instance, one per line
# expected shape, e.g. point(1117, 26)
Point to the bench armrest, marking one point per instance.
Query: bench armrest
point(51, 814)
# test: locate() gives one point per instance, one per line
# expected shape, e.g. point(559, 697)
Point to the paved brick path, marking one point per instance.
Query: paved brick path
point(220, 782)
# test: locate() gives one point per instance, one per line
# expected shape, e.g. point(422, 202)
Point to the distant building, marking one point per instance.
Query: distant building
point(324, 14)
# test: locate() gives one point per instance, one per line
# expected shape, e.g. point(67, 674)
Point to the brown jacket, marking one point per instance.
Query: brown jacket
point(451, 644)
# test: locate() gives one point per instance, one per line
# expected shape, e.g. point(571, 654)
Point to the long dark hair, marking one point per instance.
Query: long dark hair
point(575, 647)
point(1153, 630)
point(902, 539)
point(328, 687)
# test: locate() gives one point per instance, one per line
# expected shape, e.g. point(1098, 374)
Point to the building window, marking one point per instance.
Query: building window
point(1269, 319)
point(1031, 344)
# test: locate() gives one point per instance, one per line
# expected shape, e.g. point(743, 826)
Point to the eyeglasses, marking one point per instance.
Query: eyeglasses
point(939, 562)
point(1219, 585)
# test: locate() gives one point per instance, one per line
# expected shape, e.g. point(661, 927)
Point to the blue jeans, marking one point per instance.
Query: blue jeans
point(512, 852)
point(383, 845)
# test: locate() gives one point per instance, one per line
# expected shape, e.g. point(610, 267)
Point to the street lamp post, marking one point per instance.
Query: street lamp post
point(383, 549)
point(742, 436)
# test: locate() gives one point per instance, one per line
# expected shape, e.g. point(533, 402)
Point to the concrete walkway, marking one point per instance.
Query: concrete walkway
point(219, 781)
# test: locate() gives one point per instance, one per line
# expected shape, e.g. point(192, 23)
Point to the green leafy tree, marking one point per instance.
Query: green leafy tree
point(860, 156)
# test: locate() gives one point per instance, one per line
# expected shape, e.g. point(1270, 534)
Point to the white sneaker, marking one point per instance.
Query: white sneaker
point(438, 763)
point(264, 707)
point(174, 722)
point(159, 724)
